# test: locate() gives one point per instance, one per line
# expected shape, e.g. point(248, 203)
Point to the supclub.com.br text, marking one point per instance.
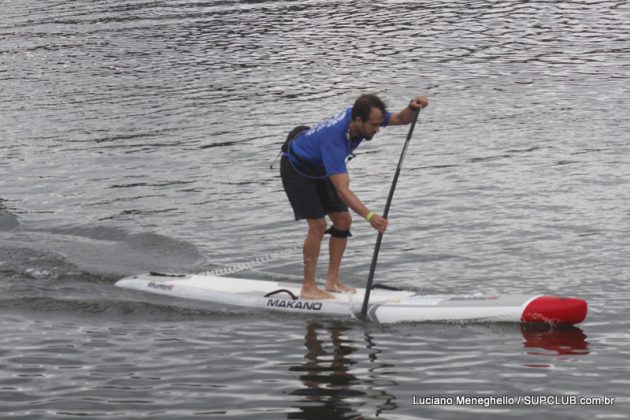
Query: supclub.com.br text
point(525, 400)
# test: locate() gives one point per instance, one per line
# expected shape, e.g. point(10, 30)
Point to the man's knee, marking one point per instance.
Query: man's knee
point(341, 225)
point(334, 232)
point(342, 220)
point(317, 227)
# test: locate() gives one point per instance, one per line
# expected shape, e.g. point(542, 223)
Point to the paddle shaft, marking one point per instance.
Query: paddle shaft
point(379, 239)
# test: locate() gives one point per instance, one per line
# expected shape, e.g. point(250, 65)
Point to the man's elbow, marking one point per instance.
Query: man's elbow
point(397, 119)
point(345, 194)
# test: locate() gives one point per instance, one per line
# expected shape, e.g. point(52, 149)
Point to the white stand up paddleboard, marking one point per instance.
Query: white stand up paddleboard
point(385, 306)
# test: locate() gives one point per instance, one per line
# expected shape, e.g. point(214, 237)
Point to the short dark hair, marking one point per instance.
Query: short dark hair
point(364, 104)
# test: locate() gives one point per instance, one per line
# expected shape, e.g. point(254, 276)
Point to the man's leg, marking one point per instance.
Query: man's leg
point(312, 244)
point(341, 222)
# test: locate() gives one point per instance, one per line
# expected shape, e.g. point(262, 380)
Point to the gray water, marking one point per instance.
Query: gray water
point(138, 136)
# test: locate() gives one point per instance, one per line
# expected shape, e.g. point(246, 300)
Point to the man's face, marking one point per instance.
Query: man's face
point(369, 128)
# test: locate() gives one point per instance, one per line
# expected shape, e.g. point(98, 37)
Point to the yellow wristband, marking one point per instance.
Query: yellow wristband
point(369, 216)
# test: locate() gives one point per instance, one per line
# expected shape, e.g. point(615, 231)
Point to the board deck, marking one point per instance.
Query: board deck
point(385, 306)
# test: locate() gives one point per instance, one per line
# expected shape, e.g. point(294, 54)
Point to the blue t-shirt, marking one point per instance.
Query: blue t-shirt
point(326, 145)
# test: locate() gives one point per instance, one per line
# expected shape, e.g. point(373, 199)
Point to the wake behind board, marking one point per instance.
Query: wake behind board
point(386, 306)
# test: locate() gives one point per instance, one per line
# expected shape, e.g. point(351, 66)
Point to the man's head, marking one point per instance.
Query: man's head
point(368, 114)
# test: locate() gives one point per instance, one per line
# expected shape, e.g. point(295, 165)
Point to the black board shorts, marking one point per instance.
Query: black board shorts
point(310, 198)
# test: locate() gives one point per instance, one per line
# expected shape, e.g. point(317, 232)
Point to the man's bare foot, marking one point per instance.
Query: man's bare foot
point(315, 293)
point(338, 286)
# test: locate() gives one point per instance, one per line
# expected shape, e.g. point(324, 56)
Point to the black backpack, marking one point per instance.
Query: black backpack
point(292, 135)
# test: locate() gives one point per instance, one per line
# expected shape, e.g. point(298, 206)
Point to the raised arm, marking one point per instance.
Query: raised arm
point(404, 117)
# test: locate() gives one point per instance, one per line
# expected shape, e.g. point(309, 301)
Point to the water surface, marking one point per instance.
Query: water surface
point(138, 136)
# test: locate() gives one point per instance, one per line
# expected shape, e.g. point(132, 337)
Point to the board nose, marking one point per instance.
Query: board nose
point(556, 310)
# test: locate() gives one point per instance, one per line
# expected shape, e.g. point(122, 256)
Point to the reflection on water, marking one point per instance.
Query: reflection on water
point(561, 340)
point(333, 388)
point(545, 340)
point(326, 361)
point(326, 374)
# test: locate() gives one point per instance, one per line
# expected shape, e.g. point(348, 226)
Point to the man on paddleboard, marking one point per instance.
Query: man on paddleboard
point(316, 180)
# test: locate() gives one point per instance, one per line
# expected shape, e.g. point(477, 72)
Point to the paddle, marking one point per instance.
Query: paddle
point(368, 288)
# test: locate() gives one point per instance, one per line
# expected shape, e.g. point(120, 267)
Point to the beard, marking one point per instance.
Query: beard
point(367, 136)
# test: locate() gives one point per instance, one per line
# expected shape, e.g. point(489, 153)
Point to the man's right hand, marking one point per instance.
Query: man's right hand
point(379, 223)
